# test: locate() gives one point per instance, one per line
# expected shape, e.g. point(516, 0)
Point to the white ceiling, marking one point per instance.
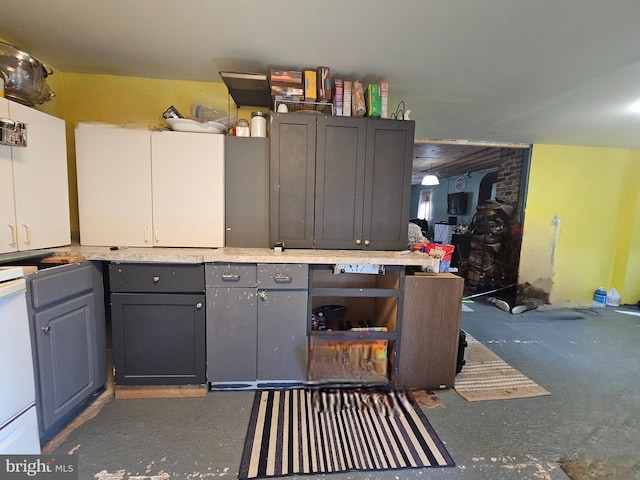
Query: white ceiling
point(516, 71)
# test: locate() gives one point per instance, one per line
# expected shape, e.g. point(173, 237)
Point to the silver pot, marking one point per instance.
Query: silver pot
point(24, 76)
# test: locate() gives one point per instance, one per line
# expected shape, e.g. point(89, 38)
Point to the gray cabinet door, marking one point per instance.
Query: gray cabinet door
point(246, 176)
point(232, 334)
point(340, 175)
point(282, 334)
point(282, 321)
point(66, 310)
point(158, 339)
point(387, 184)
point(65, 337)
point(292, 179)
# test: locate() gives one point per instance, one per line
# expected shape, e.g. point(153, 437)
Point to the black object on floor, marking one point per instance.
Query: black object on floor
point(462, 344)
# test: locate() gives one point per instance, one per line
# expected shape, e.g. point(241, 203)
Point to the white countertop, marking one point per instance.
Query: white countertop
point(242, 255)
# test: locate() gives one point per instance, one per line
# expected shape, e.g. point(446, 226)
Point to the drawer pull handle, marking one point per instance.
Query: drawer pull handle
point(46, 328)
point(156, 279)
point(230, 277)
point(279, 278)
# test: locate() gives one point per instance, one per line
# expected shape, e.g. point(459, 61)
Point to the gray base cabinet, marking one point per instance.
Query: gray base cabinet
point(66, 308)
point(158, 324)
point(282, 331)
point(256, 327)
point(232, 323)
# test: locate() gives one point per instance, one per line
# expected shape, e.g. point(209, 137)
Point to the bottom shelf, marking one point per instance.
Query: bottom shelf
point(350, 361)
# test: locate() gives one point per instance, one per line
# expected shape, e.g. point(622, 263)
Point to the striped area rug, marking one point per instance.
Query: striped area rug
point(485, 376)
point(309, 431)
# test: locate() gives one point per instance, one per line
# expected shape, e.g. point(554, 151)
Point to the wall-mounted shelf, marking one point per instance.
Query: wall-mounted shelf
point(248, 89)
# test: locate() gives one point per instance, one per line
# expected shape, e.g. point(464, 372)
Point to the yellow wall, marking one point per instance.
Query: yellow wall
point(130, 101)
point(593, 193)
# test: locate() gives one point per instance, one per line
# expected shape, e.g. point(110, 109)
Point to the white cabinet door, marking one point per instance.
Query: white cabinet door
point(40, 180)
point(188, 189)
point(34, 193)
point(114, 185)
point(8, 234)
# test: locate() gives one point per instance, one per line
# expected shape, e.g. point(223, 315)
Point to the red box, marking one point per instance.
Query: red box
point(443, 252)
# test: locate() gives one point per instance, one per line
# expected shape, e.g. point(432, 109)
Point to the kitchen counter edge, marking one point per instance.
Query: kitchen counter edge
point(241, 255)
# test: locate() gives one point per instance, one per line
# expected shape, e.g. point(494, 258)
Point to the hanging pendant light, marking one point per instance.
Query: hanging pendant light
point(430, 180)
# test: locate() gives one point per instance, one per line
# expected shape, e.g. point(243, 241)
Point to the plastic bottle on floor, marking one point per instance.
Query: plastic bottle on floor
point(613, 298)
point(599, 298)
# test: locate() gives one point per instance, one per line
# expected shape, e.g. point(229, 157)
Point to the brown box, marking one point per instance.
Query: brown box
point(346, 100)
point(359, 361)
point(358, 107)
point(287, 90)
point(324, 84)
point(338, 97)
point(286, 76)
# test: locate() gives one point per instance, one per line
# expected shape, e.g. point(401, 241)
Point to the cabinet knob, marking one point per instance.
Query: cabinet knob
point(156, 279)
point(199, 305)
point(46, 328)
point(262, 294)
point(366, 242)
point(358, 241)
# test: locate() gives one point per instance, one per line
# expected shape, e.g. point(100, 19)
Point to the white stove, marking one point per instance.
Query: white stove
point(18, 419)
point(10, 273)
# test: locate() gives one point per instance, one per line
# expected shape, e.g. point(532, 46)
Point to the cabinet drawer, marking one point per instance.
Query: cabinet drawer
point(152, 278)
point(58, 283)
point(283, 276)
point(230, 275)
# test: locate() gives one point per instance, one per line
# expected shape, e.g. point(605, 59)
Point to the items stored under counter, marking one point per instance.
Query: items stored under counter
point(359, 342)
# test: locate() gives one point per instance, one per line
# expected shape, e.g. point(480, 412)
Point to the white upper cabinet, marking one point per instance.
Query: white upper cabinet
point(114, 185)
point(34, 193)
point(141, 188)
point(188, 189)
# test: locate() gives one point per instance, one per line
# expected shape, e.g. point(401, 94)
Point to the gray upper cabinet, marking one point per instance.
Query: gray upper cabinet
point(340, 175)
point(361, 171)
point(292, 179)
point(246, 177)
point(387, 184)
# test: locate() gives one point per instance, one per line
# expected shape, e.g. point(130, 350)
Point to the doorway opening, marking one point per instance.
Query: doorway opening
point(487, 230)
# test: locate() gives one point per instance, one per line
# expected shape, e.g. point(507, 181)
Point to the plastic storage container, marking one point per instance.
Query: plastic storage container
point(613, 298)
point(258, 124)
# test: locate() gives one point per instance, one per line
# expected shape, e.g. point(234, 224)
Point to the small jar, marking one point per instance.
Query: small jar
point(242, 128)
point(258, 124)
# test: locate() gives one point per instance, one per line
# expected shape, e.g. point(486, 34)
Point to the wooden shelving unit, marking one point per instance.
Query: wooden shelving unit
point(342, 353)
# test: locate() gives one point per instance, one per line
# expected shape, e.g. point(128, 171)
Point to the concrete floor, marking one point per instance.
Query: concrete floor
point(591, 366)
